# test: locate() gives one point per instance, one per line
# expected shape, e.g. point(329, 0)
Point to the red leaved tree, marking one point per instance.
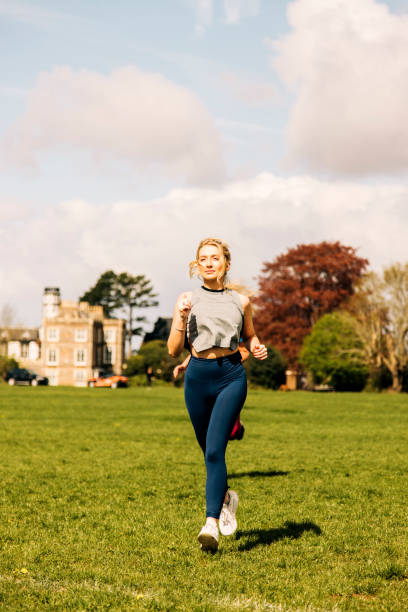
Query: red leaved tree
point(300, 286)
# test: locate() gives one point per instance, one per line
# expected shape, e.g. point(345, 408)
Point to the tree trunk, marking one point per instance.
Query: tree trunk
point(129, 334)
point(396, 382)
point(392, 364)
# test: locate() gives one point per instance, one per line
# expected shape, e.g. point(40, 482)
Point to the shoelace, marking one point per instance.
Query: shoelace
point(211, 527)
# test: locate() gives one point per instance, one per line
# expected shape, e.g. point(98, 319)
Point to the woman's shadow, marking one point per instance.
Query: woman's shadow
point(264, 537)
point(258, 474)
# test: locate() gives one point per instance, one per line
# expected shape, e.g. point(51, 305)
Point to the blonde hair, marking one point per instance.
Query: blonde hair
point(224, 251)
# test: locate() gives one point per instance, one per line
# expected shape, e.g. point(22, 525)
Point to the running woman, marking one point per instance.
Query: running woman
point(214, 317)
point(238, 429)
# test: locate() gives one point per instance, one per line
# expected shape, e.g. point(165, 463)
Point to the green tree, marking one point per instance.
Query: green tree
point(103, 293)
point(134, 293)
point(369, 316)
point(6, 364)
point(270, 372)
point(395, 356)
point(333, 353)
point(380, 308)
point(124, 293)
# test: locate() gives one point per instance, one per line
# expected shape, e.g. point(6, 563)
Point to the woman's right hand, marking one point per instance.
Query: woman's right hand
point(184, 306)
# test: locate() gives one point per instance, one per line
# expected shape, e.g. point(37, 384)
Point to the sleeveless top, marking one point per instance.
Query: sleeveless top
point(215, 319)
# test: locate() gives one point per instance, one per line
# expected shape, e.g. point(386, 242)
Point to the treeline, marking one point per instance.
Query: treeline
point(335, 321)
point(154, 354)
point(318, 308)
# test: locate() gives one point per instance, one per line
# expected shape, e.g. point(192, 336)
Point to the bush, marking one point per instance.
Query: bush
point(349, 377)
point(270, 372)
point(135, 365)
point(6, 364)
point(379, 379)
point(155, 354)
point(138, 380)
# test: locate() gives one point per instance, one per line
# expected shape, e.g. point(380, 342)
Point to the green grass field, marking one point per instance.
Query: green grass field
point(102, 498)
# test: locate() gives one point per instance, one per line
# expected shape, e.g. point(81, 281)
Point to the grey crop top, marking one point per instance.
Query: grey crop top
point(215, 319)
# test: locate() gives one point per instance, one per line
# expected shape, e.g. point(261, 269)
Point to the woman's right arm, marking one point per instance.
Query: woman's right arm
point(175, 343)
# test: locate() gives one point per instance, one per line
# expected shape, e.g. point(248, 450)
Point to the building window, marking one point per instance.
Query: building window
point(53, 334)
point(99, 355)
point(52, 356)
point(81, 335)
point(52, 378)
point(110, 335)
point(14, 349)
point(24, 350)
point(80, 356)
point(80, 378)
point(107, 354)
point(33, 350)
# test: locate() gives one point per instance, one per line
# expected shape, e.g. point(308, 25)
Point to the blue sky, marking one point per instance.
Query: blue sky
point(130, 130)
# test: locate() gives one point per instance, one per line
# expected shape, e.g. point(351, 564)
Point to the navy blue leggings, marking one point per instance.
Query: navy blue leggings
point(215, 391)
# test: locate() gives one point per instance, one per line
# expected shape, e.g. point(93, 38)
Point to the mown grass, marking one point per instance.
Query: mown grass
point(102, 499)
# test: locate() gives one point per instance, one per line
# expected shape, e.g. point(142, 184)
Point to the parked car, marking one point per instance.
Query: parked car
point(109, 380)
point(22, 376)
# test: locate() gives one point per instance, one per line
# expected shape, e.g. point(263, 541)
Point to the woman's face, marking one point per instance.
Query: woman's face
point(211, 264)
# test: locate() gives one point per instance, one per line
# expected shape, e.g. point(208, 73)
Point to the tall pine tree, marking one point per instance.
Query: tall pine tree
point(123, 293)
point(103, 293)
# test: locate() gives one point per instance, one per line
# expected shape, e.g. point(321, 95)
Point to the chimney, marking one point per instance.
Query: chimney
point(51, 302)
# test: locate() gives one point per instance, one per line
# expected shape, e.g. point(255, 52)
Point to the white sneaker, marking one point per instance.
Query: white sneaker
point(228, 521)
point(208, 536)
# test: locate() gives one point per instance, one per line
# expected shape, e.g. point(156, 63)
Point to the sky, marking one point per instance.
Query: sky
point(130, 130)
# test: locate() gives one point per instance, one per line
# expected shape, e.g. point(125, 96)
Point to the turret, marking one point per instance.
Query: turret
point(51, 302)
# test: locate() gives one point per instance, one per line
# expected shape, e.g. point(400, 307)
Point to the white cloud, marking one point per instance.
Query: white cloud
point(12, 210)
point(252, 91)
point(347, 63)
point(233, 10)
point(204, 15)
point(242, 126)
point(71, 245)
point(128, 115)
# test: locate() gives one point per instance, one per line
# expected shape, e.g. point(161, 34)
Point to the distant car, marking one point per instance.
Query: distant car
point(109, 380)
point(22, 376)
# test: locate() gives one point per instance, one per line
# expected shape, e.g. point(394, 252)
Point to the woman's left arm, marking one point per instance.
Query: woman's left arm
point(249, 336)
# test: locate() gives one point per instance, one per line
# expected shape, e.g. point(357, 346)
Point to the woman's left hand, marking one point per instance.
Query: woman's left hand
point(260, 351)
point(178, 369)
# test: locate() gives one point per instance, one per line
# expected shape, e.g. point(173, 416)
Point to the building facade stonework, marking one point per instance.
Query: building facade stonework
point(76, 342)
point(22, 343)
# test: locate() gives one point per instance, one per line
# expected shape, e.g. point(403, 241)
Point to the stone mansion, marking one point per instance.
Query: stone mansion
point(75, 342)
